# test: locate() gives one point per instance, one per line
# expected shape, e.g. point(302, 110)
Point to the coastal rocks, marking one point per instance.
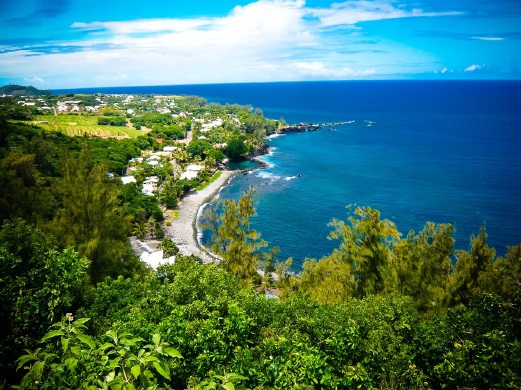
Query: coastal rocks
point(259, 152)
point(308, 126)
point(300, 128)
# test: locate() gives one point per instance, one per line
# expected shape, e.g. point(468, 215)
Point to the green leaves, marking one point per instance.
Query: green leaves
point(163, 369)
point(125, 362)
point(51, 334)
point(172, 353)
point(232, 238)
point(87, 340)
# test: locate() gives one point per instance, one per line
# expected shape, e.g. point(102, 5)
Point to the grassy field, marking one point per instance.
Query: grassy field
point(77, 125)
point(205, 184)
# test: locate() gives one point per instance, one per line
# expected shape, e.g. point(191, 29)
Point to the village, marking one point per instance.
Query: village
point(185, 145)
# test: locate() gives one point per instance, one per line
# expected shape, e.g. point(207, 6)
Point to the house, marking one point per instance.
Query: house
point(155, 259)
point(191, 172)
point(148, 189)
point(194, 167)
point(150, 185)
point(128, 179)
point(188, 175)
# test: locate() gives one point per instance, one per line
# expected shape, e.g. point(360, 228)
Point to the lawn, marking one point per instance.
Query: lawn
point(205, 184)
point(77, 125)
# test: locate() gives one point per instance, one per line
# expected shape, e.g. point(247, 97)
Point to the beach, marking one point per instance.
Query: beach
point(183, 229)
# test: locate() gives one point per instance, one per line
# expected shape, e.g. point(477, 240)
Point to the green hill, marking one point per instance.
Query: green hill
point(21, 90)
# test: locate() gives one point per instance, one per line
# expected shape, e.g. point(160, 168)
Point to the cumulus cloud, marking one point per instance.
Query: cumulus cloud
point(318, 69)
point(262, 27)
point(473, 68)
point(263, 40)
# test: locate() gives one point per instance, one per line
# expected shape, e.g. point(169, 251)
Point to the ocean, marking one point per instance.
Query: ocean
point(417, 151)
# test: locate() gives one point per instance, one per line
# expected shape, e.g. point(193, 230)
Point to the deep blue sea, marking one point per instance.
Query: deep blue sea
point(417, 151)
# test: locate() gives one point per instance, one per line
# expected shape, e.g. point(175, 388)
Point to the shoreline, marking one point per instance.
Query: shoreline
point(183, 230)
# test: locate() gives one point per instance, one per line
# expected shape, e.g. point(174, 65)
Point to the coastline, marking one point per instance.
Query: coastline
point(183, 229)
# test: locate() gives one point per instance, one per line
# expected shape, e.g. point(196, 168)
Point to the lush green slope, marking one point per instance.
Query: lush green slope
point(78, 125)
point(20, 90)
point(80, 311)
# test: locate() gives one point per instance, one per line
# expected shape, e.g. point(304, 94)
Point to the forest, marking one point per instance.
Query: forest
point(80, 311)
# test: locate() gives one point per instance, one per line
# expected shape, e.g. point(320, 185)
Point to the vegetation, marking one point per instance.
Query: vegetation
point(20, 90)
point(78, 125)
point(382, 311)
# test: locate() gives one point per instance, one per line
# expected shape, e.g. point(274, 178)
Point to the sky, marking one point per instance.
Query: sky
point(54, 44)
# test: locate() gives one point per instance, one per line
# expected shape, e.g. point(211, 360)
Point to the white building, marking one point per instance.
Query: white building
point(191, 172)
point(128, 179)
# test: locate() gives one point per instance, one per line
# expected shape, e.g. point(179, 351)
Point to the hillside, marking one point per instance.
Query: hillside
point(20, 90)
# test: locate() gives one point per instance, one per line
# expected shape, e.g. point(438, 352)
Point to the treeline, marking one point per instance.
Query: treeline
point(189, 325)
point(372, 258)
point(21, 90)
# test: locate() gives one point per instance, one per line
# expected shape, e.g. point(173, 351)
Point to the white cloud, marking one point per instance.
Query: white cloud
point(265, 40)
point(266, 27)
point(489, 38)
point(472, 68)
point(38, 80)
point(353, 12)
point(444, 70)
point(318, 69)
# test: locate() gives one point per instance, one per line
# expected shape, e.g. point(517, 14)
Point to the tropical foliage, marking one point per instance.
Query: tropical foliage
point(79, 311)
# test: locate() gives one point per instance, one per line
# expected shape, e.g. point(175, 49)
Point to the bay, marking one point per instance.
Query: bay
point(417, 151)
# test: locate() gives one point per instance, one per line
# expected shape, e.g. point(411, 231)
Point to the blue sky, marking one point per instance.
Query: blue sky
point(66, 44)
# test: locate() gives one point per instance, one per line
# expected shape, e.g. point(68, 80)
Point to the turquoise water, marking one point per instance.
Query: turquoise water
point(454, 157)
point(417, 151)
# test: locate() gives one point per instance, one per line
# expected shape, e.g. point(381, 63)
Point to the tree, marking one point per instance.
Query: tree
point(503, 278)
point(139, 230)
point(169, 194)
point(91, 219)
point(22, 193)
point(169, 247)
point(38, 285)
point(366, 246)
point(232, 237)
point(236, 148)
point(420, 266)
point(469, 267)
point(328, 281)
point(199, 148)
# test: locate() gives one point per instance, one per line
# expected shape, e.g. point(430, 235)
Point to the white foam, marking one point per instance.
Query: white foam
point(275, 135)
point(266, 159)
point(267, 175)
point(290, 178)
